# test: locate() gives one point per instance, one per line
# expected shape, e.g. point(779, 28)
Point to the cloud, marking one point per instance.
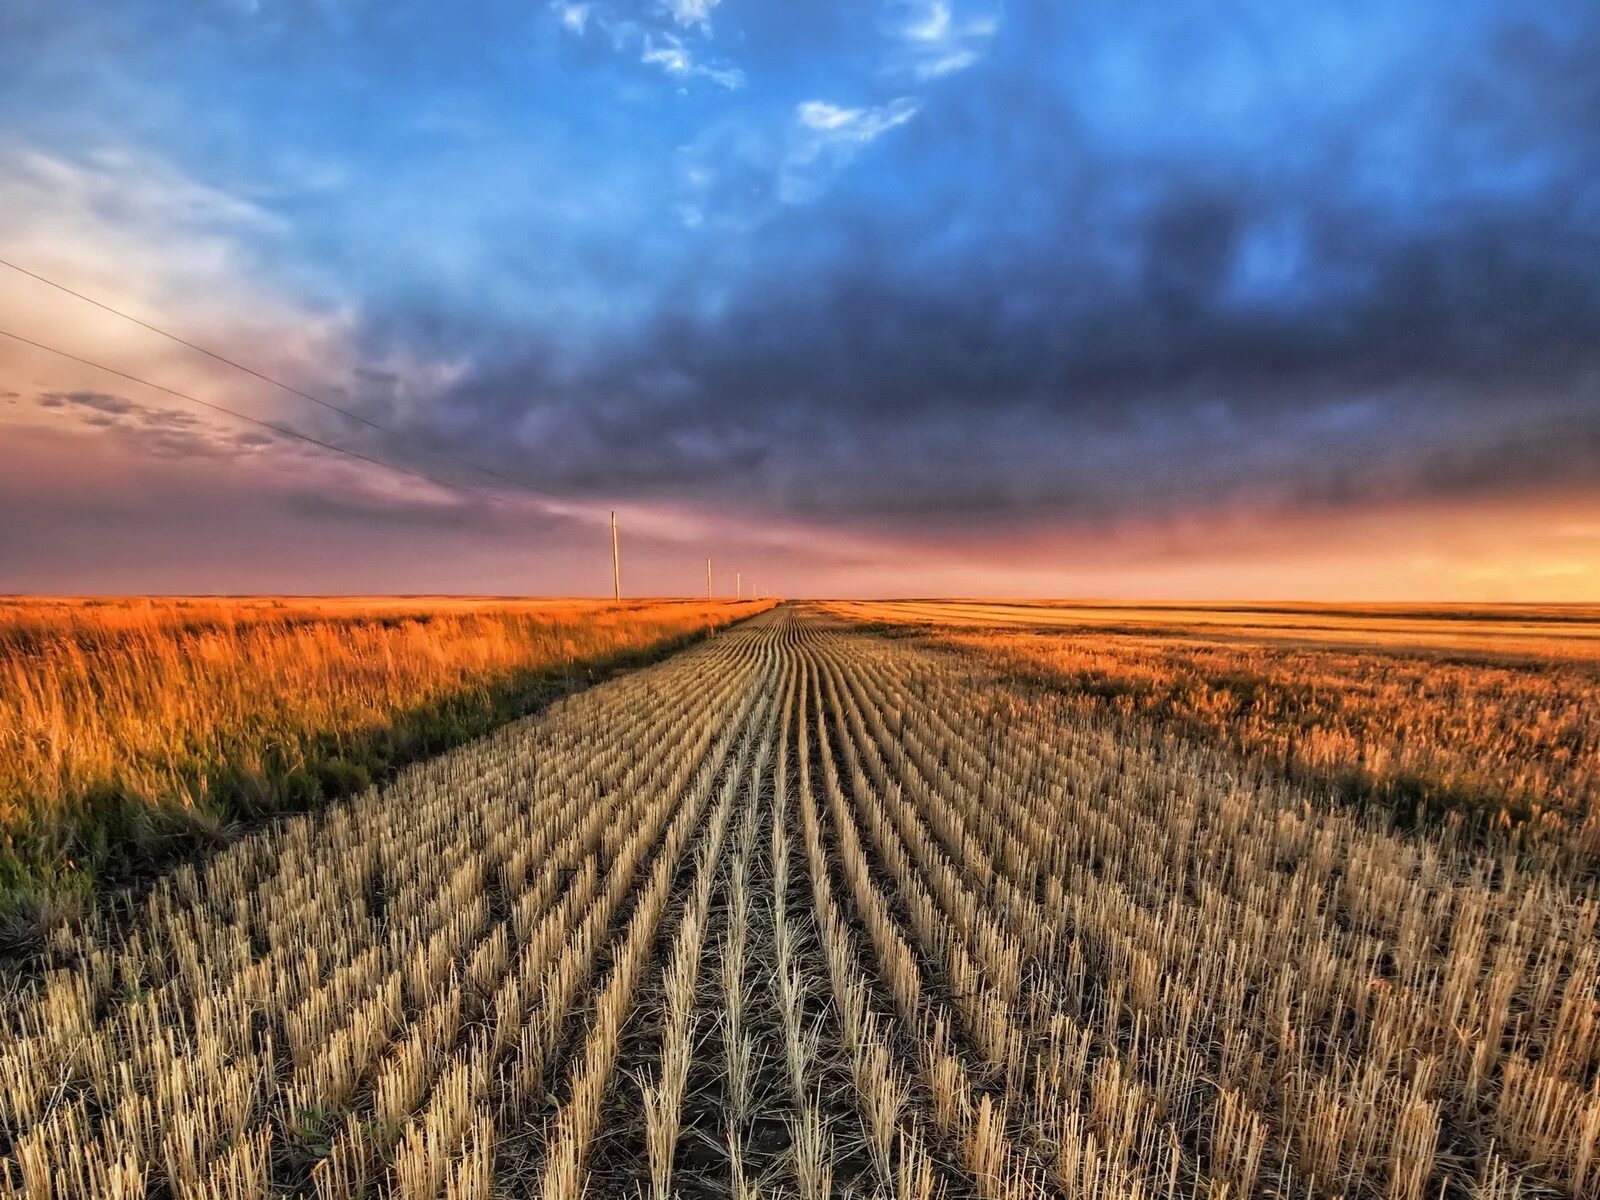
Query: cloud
point(827, 137)
point(672, 54)
point(159, 431)
point(135, 228)
point(935, 42)
point(853, 124)
point(98, 401)
point(202, 258)
point(739, 174)
point(655, 37)
point(1005, 313)
point(1092, 271)
point(692, 12)
point(574, 17)
point(195, 257)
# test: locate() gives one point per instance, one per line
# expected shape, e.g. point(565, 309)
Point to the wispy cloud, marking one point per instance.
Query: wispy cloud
point(934, 41)
point(692, 12)
point(572, 16)
point(118, 218)
point(827, 136)
point(139, 232)
point(669, 52)
point(151, 238)
point(164, 432)
point(743, 172)
point(838, 123)
point(660, 38)
point(202, 259)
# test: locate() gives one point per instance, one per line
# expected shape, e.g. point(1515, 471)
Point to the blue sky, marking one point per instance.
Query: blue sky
point(1158, 290)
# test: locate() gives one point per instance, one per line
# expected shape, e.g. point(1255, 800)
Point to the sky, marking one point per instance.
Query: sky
point(1227, 299)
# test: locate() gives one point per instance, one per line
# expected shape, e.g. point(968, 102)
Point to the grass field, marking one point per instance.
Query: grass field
point(1540, 633)
point(808, 911)
point(132, 731)
point(1491, 716)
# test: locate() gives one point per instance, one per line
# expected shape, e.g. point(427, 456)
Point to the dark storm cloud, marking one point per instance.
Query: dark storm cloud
point(165, 432)
point(911, 264)
point(95, 401)
point(1025, 299)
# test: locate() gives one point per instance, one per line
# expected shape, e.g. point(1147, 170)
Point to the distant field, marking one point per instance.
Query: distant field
point(133, 728)
point(1488, 712)
point(1508, 631)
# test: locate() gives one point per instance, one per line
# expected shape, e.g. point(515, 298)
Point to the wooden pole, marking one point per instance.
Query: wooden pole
point(738, 585)
point(616, 565)
point(708, 581)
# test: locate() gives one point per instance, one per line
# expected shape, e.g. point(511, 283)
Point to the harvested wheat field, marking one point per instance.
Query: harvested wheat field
point(804, 911)
point(1486, 717)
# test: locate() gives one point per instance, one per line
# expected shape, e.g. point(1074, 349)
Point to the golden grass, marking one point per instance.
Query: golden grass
point(1541, 633)
point(1466, 713)
point(807, 912)
point(128, 726)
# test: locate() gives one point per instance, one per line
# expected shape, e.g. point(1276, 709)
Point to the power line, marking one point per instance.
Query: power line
point(272, 425)
point(278, 383)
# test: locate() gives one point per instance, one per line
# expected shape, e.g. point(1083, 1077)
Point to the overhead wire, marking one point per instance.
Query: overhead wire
point(285, 430)
point(278, 383)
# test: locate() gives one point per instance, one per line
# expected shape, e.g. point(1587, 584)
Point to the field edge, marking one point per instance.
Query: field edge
point(134, 843)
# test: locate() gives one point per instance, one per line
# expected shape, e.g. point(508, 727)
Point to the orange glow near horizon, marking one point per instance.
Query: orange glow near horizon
point(92, 515)
point(159, 499)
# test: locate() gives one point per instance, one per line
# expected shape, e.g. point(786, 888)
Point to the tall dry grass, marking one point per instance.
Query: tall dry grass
point(130, 729)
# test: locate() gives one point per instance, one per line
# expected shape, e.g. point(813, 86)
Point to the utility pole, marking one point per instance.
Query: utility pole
point(708, 581)
point(616, 565)
point(738, 585)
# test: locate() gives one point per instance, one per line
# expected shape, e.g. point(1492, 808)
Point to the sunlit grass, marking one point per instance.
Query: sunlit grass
point(133, 728)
